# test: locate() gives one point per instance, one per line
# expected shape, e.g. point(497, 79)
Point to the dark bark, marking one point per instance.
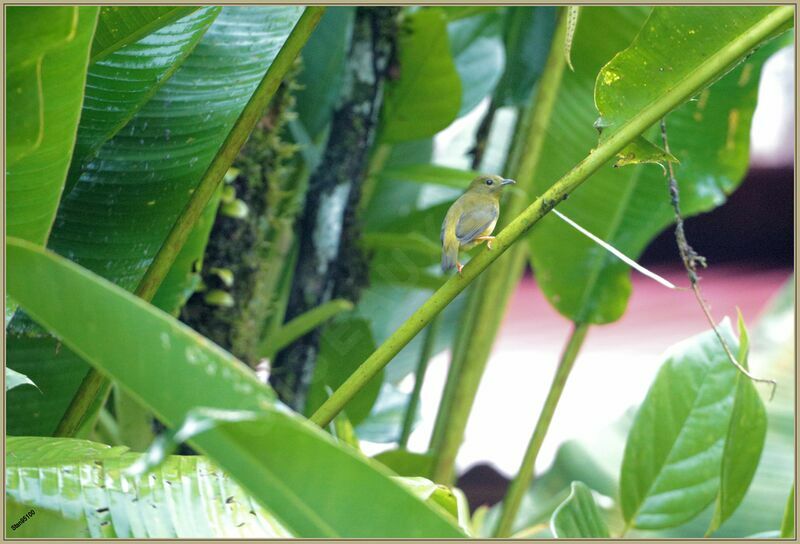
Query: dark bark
point(482, 136)
point(330, 264)
point(255, 247)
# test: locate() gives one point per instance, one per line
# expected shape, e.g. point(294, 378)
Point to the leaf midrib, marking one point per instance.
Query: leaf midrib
point(91, 153)
point(157, 23)
point(420, 68)
point(597, 260)
point(694, 406)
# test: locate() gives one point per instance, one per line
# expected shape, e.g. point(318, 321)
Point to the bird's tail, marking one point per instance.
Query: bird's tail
point(449, 256)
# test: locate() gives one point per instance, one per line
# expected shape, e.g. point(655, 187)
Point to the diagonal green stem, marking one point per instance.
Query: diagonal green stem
point(522, 480)
point(94, 385)
point(492, 297)
point(301, 325)
point(91, 395)
point(466, 323)
point(714, 65)
point(376, 163)
point(238, 135)
point(787, 525)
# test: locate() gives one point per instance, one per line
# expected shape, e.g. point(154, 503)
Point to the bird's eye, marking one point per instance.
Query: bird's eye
point(489, 182)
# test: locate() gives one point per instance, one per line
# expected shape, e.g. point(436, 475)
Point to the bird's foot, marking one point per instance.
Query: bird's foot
point(459, 267)
point(487, 239)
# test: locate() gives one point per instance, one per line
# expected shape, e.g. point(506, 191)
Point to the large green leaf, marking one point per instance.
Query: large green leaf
point(404, 301)
point(477, 48)
point(426, 97)
point(747, 432)
point(772, 354)
point(118, 214)
point(671, 45)
point(118, 86)
point(293, 468)
point(452, 501)
point(628, 206)
point(578, 516)
point(385, 421)
point(344, 346)
point(595, 458)
point(59, 371)
point(324, 57)
point(527, 36)
point(429, 173)
point(46, 69)
point(55, 369)
point(147, 172)
point(85, 489)
point(671, 468)
point(82, 489)
point(390, 199)
point(183, 278)
point(119, 26)
point(406, 463)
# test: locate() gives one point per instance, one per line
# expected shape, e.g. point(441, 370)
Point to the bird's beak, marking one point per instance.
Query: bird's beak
point(507, 182)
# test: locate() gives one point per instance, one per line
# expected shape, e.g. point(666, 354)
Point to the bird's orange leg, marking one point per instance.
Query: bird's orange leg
point(487, 239)
point(459, 267)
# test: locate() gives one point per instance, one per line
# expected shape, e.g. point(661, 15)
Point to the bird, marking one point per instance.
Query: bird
point(471, 219)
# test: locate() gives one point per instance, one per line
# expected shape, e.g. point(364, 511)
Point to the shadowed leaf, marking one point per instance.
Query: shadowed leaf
point(578, 516)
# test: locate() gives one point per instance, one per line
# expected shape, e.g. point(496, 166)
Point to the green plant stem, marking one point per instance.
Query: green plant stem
point(303, 324)
point(282, 258)
point(471, 365)
point(282, 291)
point(474, 294)
point(94, 384)
point(522, 480)
point(252, 112)
point(419, 377)
point(492, 297)
point(466, 318)
point(376, 163)
point(448, 394)
point(714, 65)
point(787, 525)
point(89, 422)
point(107, 429)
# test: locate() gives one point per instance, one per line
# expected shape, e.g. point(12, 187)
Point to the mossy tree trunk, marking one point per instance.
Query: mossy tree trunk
point(252, 236)
point(330, 264)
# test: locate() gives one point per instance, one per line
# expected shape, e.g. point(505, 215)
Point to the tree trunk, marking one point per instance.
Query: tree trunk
point(330, 264)
point(252, 237)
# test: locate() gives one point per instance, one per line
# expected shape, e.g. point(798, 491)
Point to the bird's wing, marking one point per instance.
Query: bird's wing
point(472, 223)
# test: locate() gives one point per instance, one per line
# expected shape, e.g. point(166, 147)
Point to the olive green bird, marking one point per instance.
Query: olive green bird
point(471, 219)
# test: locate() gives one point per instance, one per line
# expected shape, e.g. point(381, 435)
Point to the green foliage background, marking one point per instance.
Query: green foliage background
point(116, 113)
